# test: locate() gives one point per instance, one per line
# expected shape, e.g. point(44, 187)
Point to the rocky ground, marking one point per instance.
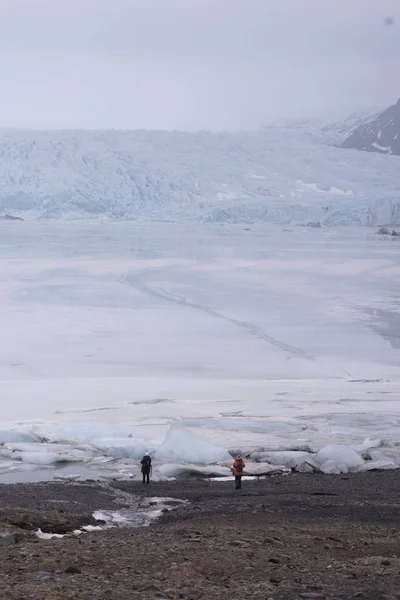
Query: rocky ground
point(284, 537)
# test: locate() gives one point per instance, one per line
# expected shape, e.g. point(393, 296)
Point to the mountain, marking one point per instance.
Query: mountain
point(381, 134)
point(284, 173)
point(337, 130)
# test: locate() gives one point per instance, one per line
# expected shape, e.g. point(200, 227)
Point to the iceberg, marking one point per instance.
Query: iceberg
point(340, 456)
point(290, 458)
point(183, 446)
point(331, 468)
point(45, 454)
point(377, 465)
point(391, 455)
point(86, 432)
point(132, 448)
point(260, 469)
point(18, 435)
point(42, 448)
point(367, 445)
point(49, 458)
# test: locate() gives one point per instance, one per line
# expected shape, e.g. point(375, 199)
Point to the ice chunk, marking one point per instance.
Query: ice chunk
point(191, 470)
point(119, 518)
point(340, 455)
point(259, 469)
point(167, 500)
point(181, 445)
point(47, 536)
point(6, 453)
point(88, 431)
point(368, 445)
point(29, 447)
point(304, 467)
point(45, 454)
point(386, 454)
point(377, 465)
point(18, 435)
point(132, 448)
point(330, 468)
point(90, 528)
point(281, 457)
point(49, 458)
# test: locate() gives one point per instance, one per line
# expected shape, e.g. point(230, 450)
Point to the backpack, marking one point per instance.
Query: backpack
point(146, 462)
point(239, 466)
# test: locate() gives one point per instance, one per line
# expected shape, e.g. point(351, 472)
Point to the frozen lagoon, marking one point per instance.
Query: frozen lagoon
point(196, 340)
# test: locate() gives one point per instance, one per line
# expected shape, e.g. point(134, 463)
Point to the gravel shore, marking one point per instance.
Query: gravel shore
point(284, 537)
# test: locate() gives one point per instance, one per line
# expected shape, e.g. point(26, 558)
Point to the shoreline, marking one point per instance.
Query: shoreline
point(326, 536)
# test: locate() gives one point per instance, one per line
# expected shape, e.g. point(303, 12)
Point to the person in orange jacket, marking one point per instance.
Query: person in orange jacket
point(238, 468)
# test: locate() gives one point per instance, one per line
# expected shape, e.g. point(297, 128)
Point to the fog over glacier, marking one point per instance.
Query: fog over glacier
point(193, 65)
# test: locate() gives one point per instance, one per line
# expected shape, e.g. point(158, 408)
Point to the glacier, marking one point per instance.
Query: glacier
point(287, 173)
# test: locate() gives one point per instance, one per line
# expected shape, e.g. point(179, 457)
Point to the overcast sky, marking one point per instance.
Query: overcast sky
point(193, 64)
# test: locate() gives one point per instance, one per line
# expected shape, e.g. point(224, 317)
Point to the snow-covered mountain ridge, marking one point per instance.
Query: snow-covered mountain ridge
point(379, 134)
point(289, 172)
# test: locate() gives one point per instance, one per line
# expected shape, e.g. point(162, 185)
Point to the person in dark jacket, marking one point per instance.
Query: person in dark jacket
point(146, 467)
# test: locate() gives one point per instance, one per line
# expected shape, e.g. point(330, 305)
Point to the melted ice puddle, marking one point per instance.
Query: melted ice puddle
point(147, 511)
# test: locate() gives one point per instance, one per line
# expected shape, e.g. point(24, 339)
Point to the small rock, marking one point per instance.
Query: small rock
point(239, 543)
point(274, 540)
point(44, 576)
point(9, 539)
point(268, 540)
point(314, 224)
point(11, 218)
point(385, 562)
point(274, 561)
point(383, 231)
point(313, 595)
point(72, 570)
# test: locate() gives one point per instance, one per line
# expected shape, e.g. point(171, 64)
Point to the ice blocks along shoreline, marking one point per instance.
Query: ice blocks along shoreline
point(189, 442)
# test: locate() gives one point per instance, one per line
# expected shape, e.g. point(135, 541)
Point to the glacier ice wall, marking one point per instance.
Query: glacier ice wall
point(280, 174)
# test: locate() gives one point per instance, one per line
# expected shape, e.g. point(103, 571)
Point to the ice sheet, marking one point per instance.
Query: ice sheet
point(115, 335)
